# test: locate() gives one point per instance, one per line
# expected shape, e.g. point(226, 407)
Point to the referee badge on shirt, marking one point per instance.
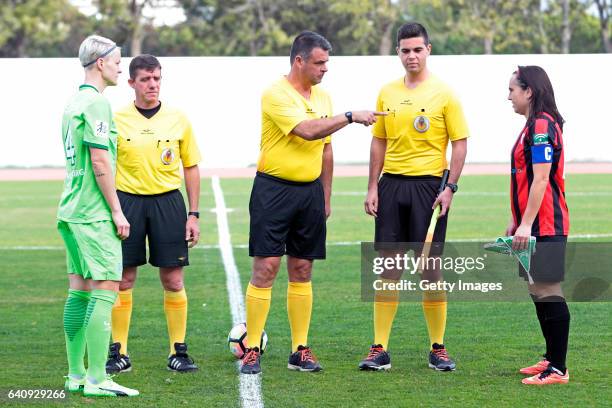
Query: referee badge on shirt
point(167, 156)
point(421, 124)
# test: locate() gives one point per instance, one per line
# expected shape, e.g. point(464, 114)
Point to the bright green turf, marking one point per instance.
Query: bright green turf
point(481, 336)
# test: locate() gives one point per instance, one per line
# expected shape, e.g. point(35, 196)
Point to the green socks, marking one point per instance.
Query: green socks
point(74, 316)
point(97, 332)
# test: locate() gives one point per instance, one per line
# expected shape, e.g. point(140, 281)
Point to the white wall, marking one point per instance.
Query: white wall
point(221, 97)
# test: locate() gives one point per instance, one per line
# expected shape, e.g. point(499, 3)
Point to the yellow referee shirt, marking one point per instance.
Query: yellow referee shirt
point(149, 150)
point(418, 127)
point(284, 154)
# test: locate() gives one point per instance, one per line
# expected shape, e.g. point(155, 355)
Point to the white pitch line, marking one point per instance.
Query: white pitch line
point(337, 243)
point(250, 385)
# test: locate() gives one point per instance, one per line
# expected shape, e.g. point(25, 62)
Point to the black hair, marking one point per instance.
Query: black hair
point(542, 93)
point(412, 30)
point(145, 61)
point(305, 42)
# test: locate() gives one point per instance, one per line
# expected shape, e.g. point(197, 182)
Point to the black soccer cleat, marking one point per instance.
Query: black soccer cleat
point(250, 361)
point(439, 359)
point(303, 360)
point(378, 359)
point(117, 362)
point(180, 361)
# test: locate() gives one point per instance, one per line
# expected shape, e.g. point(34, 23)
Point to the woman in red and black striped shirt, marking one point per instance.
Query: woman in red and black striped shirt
point(539, 209)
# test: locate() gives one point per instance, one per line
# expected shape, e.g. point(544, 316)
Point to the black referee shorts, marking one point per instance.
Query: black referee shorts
point(161, 219)
point(548, 261)
point(287, 218)
point(404, 212)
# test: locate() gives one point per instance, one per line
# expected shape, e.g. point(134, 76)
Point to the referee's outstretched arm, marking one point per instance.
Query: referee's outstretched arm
point(314, 129)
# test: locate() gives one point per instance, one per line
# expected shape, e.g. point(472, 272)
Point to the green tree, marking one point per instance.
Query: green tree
point(123, 22)
point(267, 27)
point(477, 26)
point(501, 26)
point(604, 9)
point(41, 28)
point(230, 27)
point(29, 27)
point(584, 34)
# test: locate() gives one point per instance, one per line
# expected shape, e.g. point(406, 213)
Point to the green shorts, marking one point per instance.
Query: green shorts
point(93, 250)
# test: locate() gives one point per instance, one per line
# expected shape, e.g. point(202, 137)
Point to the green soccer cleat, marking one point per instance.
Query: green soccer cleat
point(73, 384)
point(107, 388)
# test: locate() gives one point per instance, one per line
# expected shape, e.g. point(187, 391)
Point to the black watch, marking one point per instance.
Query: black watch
point(194, 213)
point(349, 116)
point(453, 187)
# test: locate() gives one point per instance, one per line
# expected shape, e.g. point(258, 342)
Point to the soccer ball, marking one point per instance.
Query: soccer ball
point(237, 340)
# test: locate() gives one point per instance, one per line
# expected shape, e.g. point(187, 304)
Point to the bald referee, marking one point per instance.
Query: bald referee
point(409, 148)
point(153, 141)
point(290, 200)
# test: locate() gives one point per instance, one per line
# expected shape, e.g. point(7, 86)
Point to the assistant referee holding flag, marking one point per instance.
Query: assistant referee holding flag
point(153, 140)
point(409, 147)
point(290, 200)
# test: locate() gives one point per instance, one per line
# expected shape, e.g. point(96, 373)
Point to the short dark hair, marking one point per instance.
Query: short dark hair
point(412, 30)
point(145, 61)
point(542, 93)
point(305, 42)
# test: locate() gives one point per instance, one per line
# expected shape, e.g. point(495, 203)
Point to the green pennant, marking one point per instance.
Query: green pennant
point(503, 245)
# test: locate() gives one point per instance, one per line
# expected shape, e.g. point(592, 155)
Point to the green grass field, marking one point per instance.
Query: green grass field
point(489, 340)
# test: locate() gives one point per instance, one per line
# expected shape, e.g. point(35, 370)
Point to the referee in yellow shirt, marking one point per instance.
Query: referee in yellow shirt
point(409, 148)
point(290, 200)
point(153, 141)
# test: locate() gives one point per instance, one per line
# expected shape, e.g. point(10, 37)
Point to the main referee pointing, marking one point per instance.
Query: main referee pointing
point(153, 139)
point(290, 200)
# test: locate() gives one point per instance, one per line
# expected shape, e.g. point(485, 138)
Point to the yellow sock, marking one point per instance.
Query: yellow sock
point(385, 307)
point(257, 307)
point(299, 310)
point(175, 307)
point(434, 309)
point(120, 320)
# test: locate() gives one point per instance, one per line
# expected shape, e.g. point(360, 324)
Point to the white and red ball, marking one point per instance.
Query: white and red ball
point(237, 340)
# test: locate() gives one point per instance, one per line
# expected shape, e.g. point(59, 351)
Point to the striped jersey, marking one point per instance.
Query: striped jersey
point(540, 141)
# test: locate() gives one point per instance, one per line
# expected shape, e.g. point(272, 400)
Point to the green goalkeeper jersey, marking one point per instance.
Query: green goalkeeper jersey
point(87, 122)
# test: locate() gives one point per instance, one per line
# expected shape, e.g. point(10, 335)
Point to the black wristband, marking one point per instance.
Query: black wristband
point(194, 213)
point(349, 116)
